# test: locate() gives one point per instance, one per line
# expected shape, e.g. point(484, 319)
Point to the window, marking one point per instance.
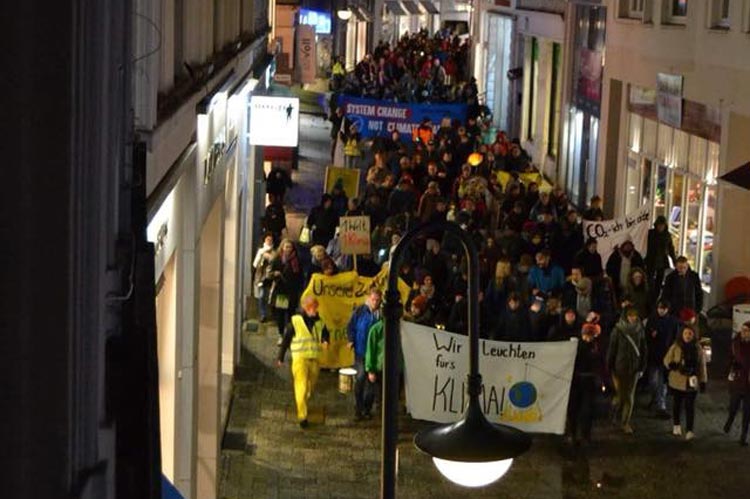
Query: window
point(675, 11)
point(694, 198)
point(718, 14)
point(533, 91)
point(633, 182)
point(635, 8)
point(554, 99)
point(674, 215)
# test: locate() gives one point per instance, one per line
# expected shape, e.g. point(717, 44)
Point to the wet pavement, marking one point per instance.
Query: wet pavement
point(267, 455)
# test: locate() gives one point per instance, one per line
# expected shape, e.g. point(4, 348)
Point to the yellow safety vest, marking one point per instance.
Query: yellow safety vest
point(351, 148)
point(306, 344)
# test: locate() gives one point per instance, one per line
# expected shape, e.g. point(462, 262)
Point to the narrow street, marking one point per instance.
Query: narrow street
point(266, 454)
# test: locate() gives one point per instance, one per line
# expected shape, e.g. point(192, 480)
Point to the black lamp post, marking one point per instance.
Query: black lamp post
point(472, 451)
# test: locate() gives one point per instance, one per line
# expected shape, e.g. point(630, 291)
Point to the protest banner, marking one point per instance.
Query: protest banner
point(347, 178)
point(609, 234)
point(354, 235)
point(337, 296)
point(380, 118)
point(525, 385)
point(504, 177)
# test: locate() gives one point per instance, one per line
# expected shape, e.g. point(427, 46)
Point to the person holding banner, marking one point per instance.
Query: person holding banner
point(626, 360)
point(306, 336)
point(357, 331)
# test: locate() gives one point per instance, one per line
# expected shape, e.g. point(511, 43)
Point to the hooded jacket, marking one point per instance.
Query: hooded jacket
point(626, 357)
point(659, 247)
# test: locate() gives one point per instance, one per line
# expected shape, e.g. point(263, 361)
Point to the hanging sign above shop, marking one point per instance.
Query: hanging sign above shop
point(669, 99)
point(274, 121)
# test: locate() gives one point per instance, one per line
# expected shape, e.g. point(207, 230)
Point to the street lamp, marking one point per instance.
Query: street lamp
point(344, 14)
point(471, 452)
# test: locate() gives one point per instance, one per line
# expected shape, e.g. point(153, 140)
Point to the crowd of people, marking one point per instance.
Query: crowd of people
point(635, 315)
point(418, 68)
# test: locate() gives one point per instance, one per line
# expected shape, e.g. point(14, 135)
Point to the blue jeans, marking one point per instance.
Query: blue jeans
point(658, 386)
point(364, 393)
point(263, 302)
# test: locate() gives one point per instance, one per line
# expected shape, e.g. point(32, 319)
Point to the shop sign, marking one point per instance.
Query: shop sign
point(213, 159)
point(669, 99)
point(274, 121)
point(306, 57)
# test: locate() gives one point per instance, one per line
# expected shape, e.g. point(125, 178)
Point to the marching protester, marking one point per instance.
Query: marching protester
point(626, 360)
point(357, 332)
point(661, 331)
point(286, 284)
point(261, 276)
point(659, 252)
point(583, 389)
point(307, 337)
point(687, 376)
point(739, 382)
point(682, 288)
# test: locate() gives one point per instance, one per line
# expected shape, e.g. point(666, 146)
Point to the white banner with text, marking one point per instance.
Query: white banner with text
point(524, 385)
point(610, 234)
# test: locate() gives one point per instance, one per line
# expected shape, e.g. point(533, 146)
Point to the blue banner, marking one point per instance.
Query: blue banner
point(379, 117)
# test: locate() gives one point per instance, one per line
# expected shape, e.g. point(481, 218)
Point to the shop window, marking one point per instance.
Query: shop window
point(697, 158)
point(635, 134)
point(718, 14)
point(660, 194)
point(680, 149)
point(646, 177)
point(675, 207)
point(633, 184)
point(709, 219)
point(555, 97)
point(664, 144)
point(746, 17)
point(533, 90)
point(649, 137)
point(694, 194)
point(675, 11)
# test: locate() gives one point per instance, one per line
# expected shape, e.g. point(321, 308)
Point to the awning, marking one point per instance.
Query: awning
point(395, 8)
point(430, 7)
point(412, 7)
point(739, 176)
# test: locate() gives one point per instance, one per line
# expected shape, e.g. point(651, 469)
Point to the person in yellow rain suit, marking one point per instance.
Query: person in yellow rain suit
point(306, 336)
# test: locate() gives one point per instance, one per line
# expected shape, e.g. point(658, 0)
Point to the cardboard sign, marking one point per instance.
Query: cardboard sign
point(347, 178)
point(354, 235)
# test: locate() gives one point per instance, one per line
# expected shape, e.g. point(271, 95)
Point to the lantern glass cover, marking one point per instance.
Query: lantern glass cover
point(472, 474)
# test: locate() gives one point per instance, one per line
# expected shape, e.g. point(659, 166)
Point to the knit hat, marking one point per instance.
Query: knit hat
point(420, 303)
point(687, 314)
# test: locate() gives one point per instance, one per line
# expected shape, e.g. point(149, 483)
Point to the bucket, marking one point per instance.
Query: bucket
point(740, 315)
point(346, 379)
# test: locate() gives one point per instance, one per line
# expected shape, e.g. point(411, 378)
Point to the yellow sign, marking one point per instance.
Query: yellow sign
point(348, 178)
point(338, 295)
point(504, 177)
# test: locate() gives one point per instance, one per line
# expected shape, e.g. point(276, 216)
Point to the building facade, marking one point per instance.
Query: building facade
point(675, 117)
point(192, 83)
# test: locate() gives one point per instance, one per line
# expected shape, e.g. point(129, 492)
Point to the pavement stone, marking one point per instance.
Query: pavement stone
point(338, 458)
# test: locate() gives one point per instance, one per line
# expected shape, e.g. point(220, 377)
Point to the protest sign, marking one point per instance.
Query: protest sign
point(354, 235)
point(337, 297)
point(380, 118)
point(347, 178)
point(609, 234)
point(525, 385)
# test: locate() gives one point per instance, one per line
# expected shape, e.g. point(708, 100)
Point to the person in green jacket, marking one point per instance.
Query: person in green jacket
point(626, 361)
point(374, 352)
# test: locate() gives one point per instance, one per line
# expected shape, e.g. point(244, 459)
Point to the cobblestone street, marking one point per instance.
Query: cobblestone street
point(266, 454)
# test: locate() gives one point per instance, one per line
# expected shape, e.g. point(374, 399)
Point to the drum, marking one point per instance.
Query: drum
point(346, 379)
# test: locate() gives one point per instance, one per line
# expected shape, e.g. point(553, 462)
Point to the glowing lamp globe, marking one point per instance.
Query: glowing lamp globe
point(475, 159)
point(344, 15)
point(467, 474)
point(473, 452)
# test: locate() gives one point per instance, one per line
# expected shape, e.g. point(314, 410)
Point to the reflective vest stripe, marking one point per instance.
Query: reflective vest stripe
point(306, 344)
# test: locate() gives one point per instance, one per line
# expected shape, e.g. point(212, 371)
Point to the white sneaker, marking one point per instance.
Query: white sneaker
point(677, 430)
point(689, 435)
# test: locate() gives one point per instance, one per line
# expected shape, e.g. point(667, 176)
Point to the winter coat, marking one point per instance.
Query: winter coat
point(614, 264)
point(402, 200)
point(638, 296)
point(588, 360)
point(547, 279)
point(666, 329)
point(359, 326)
point(562, 331)
point(325, 222)
point(289, 281)
point(513, 326)
point(679, 372)
point(590, 263)
point(683, 291)
point(740, 366)
point(622, 357)
point(375, 347)
point(659, 248)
